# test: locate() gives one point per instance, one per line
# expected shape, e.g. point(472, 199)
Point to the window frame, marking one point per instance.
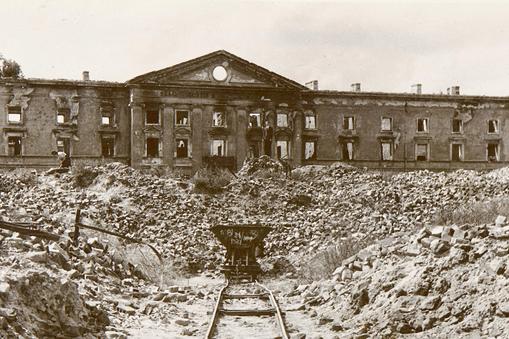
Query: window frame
point(460, 131)
point(108, 137)
point(9, 113)
point(426, 125)
point(212, 148)
point(391, 127)
point(344, 147)
point(391, 149)
point(310, 115)
point(314, 154)
point(188, 123)
point(461, 149)
point(288, 154)
point(285, 125)
point(497, 152)
point(14, 155)
point(345, 120)
point(107, 114)
point(216, 111)
point(258, 120)
point(66, 113)
point(66, 147)
point(158, 113)
point(158, 148)
point(427, 151)
point(186, 141)
point(497, 126)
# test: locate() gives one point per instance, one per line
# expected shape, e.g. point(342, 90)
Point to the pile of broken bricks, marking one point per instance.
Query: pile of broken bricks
point(309, 212)
point(442, 280)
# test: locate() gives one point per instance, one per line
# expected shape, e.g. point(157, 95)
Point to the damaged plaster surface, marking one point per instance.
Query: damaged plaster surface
point(21, 97)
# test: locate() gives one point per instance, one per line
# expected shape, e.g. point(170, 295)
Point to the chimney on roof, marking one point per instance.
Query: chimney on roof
point(312, 85)
point(453, 90)
point(86, 76)
point(417, 89)
point(356, 87)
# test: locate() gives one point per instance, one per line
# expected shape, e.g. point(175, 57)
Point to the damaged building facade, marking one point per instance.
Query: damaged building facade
point(219, 109)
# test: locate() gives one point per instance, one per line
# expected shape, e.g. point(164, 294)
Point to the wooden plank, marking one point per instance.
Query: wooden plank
point(245, 296)
point(247, 313)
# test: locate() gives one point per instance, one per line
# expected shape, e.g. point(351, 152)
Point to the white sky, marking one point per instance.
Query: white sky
point(385, 45)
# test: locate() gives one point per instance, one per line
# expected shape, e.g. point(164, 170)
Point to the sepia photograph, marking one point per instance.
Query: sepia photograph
point(254, 169)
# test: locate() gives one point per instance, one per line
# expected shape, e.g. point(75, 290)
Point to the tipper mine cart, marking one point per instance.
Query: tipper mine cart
point(244, 243)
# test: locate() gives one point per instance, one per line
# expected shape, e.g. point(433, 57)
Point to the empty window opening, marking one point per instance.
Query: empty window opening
point(386, 124)
point(14, 115)
point(152, 117)
point(282, 120)
point(310, 122)
point(457, 152)
point(107, 147)
point(63, 145)
point(63, 116)
point(310, 150)
point(347, 151)
point(14, 146)
point(422, 125)
point(255, 120)
point(421, 152)
point(106, 118)
point(153, 147)
point(218, 119)
point(218, 148)
point(282, 149)
point(182, 118)
point(493, 152)
point(493, 126)
point(182, 150)
point(386, 150)
point(349, 123)
point(457, 126)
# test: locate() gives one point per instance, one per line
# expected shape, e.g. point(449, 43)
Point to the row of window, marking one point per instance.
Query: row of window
point(218, 147)
point(422, 125)
point(421, 151)
point(15, 149)
point(153, 147)
point(219, 120)
point(63, 116)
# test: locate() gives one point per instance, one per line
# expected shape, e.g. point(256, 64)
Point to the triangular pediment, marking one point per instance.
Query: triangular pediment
point(217, 69)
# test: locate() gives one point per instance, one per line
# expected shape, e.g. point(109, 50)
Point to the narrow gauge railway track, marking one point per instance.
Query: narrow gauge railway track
point(261, 305)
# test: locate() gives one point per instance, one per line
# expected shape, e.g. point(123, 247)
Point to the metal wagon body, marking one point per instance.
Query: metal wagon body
point(244, 243)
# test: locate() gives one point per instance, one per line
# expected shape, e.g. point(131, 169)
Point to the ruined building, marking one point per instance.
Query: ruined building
point(219, 109)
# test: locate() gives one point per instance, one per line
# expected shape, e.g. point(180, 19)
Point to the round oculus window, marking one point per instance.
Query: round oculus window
point(219, 73)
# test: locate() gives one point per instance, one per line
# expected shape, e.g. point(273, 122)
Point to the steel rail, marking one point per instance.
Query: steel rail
point(276, 310)
point(217, 311)
point(279, 315)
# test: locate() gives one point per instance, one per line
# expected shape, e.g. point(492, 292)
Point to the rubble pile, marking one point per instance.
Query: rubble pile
point(54, 289)
point(309, 211)
point(443, 281)
point(40, 290)
point(258, 165)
